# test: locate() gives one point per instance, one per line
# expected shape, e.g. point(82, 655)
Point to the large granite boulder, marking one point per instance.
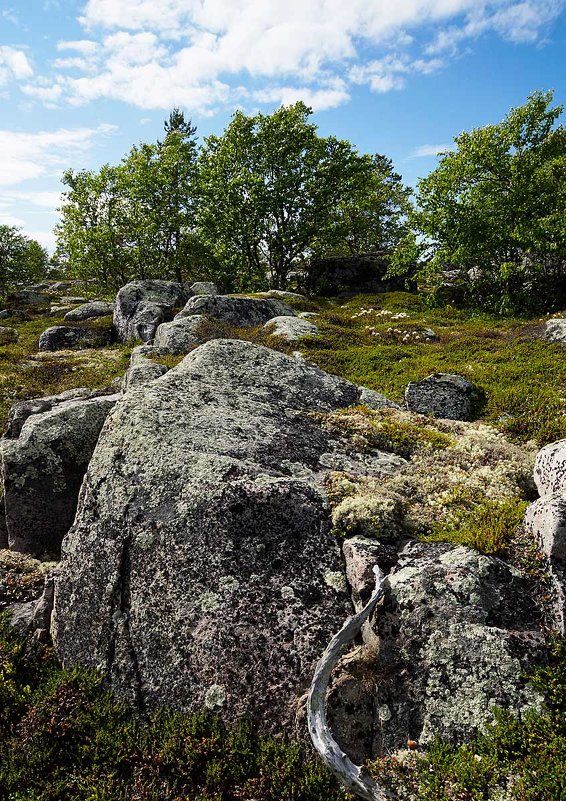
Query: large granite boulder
point(64, 337)
point(239, 312)
point(21, 410)
point(453, 639)
point(203, 288)
point(200, 569)
point(546, 520)
point(180, 335)
point(42, 470)
point(90, 311)
point(17, 314)
point(141, 306)
point(442, 395)
point(291, 329)
point(28, 297)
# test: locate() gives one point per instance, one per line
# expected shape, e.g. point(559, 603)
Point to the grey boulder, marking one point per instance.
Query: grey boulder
point(238, 312)
point(141, 306)
point(141, 372)
point(63, 337)
point(441, 395)
point(42, 471)
point(203, 288)
point(200, 569)
point(456, 632)
point(29, 297)
point(89, 311)
point(291, 329)
point(555, 330)
point(180, 335)
point(16, 314)
point(550, 468)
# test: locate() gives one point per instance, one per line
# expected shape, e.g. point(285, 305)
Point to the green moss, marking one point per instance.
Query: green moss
point(65, 737)
point(384, 429)
point(515, 759)
point(489, 526)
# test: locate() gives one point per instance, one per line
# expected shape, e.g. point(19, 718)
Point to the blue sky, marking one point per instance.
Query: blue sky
point(83, 80)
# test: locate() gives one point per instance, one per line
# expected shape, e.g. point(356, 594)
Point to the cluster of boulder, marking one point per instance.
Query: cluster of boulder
point(190, 511)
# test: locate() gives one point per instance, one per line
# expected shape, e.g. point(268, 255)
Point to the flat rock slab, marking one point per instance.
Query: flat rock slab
point(239, 312)
point(203, 288)
point(29, 297)
point(141, 306)
point(441, 395)
point(200, 569)
point(291, 329)
point(63, 337)
point(89, 311)
point(43, 468)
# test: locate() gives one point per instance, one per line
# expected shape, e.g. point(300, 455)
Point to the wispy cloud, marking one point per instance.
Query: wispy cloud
point(429, 150)
point(24, 156)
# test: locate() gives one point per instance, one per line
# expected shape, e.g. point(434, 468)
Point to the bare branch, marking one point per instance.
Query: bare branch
point(354, 777)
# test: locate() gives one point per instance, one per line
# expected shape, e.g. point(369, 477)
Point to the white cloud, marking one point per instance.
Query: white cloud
point(430, 150)
point(198, 53)
point(24, 156)
point(14, 63)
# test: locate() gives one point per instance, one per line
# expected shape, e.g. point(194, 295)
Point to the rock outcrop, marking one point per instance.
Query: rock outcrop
point(141, 306)
point(42, 469)
point(546, 520)
point(200, 569)
point(63, 337)
point(453, 638)
point(441, 395)
point(291, 329)
point(180, 335)
point(90, 311)
point(239, 312)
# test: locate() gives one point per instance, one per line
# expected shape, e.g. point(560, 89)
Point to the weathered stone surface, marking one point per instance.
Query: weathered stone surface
point(73, 300)
point(199, 569)
point(20, 411)
point(62, 286)
point(291, 328)
point(142, 371)
point(555, 330)
point(237, 311)
point(375, 400)
point(17, 314)
point(29, 297)
point(456, 633)
point(546, 519)
point(282, 294)
point(8, 336)
point(180, 335)
point(204, 288)
point(88, 311)
point(141, 306)
point(441, 395)
point(60, 311)
point(63, 337)
point(361, 555)
point(42, 471)
point(550, 468)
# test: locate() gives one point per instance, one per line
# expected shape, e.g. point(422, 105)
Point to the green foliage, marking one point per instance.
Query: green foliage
point(135, 220)
point(486, 525)
point(22, 260)
point(66, 738)
point(515, 759)
point(496, 206)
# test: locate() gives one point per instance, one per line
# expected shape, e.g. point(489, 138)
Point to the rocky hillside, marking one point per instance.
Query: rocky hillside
point(198, 526)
